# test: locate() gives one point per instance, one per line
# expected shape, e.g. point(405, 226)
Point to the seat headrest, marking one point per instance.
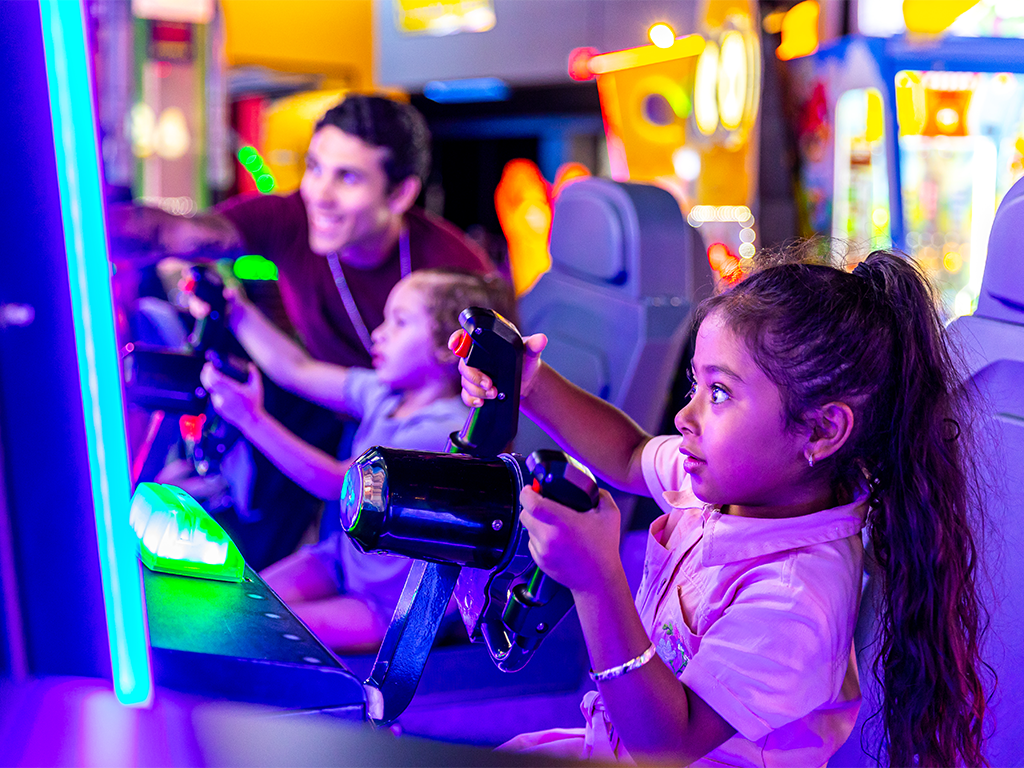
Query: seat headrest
point(592, 226)
point(1002, 287)
point(630, 236)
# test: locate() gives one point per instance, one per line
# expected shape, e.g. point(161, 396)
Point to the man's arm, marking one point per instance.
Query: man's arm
point(142, 235)
point(282, 359)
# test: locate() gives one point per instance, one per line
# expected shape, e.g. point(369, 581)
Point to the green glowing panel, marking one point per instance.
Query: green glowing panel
point(176, 535)
point(254, 267)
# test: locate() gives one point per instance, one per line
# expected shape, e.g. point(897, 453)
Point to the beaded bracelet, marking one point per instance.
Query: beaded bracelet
point(629, 666)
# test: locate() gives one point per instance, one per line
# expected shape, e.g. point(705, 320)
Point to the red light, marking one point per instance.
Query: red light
point(724, 262)
point(579, 63)
point(192, 427)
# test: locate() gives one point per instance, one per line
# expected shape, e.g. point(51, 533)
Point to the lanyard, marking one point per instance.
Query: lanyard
point(354, 316)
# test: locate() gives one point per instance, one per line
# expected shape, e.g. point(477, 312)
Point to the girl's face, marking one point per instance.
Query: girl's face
point(737, 447)
point(404, 352)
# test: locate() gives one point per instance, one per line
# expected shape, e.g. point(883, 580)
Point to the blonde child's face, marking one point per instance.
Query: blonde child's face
point(405, 354)
point(738, 451)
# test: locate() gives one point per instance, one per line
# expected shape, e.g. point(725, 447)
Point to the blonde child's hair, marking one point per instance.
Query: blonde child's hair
point(447, 292)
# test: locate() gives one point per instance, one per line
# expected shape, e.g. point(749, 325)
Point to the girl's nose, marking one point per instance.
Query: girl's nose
point(685, 419)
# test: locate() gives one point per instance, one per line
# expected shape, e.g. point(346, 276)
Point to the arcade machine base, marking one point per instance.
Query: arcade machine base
point(238, 641)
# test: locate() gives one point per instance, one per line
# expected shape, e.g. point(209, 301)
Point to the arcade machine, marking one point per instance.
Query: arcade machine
point(682, 113)
point(75, 600)
point(138, 648)
point(912, 141)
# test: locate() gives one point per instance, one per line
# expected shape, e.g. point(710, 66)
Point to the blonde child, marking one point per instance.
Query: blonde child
point(821, 400)
point(408, 400)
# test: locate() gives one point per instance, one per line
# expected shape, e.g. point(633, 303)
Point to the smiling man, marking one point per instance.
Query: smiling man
point(341, 242)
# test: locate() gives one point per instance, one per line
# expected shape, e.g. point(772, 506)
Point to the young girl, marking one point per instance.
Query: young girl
point(409, 400)
point(821, 399)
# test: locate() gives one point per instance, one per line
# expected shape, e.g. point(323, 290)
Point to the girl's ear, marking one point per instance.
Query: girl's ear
point(402, 197)
point(830, 428)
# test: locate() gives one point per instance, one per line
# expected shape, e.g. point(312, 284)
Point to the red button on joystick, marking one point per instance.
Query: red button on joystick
point(465, 344)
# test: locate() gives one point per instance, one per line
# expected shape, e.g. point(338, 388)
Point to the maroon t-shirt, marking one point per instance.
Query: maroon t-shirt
point(276, 228)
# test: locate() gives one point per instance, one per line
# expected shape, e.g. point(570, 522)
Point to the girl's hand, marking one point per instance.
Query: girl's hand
point(239, 404)
point(578, 549)
point(477, 387)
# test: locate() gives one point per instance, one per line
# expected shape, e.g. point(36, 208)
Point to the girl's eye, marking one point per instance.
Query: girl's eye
point(693, 390)
point(718, 394)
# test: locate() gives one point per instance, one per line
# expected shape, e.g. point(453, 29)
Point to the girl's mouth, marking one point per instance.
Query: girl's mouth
point(691, 465)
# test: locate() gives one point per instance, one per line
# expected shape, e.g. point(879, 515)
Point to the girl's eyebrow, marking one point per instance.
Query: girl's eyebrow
point(723, 370)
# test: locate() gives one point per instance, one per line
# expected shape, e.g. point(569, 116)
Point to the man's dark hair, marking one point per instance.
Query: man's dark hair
point(397, 127)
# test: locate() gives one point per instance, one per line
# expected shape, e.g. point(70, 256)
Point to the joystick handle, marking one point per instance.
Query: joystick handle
point(535, 606)
point(559, 478)
point(496, 348)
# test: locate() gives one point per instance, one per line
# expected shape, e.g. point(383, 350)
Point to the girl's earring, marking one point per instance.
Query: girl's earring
point(810, 461)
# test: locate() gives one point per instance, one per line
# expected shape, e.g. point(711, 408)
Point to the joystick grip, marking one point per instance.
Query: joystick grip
point(496, 348)
point(559, 478)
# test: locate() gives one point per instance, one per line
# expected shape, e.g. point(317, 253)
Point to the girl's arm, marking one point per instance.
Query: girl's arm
point(655, 715)
point(242, 405)
point(595, 432)
point(282, 359)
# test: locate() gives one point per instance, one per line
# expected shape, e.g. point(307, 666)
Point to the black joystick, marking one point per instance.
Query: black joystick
point(537, 604)
point(493, 345)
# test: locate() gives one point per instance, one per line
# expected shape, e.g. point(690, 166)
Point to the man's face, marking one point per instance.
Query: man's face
point(345, 190)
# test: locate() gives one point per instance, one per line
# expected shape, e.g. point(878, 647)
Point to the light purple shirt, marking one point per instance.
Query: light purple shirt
point(756, 616)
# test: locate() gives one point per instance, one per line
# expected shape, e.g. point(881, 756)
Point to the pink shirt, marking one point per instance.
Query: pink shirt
point(755, 616)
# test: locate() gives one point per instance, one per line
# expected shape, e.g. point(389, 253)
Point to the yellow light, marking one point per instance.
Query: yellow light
point(947, 119)
point(705, 90)
point(880, 217)
point(875, 123)
point(732, 80)
point(911, 114)
point(952, 261)
point(662, 35)
point(772, 23)
point(602, 64)
point(930, 18)
point(799, 31)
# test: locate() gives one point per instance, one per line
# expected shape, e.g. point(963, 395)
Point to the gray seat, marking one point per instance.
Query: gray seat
point(992, 340)
point(626, 273)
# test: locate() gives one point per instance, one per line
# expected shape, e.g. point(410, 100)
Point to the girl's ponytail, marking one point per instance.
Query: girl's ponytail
point(874, 340)
point(921, 533)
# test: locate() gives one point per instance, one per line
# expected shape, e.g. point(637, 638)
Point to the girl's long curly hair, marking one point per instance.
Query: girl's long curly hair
point(874, 340)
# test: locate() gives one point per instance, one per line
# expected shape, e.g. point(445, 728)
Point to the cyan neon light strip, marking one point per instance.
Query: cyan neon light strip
point(67, 69)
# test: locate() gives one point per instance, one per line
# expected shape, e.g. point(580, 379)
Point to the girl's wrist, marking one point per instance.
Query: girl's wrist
point(607, 586)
